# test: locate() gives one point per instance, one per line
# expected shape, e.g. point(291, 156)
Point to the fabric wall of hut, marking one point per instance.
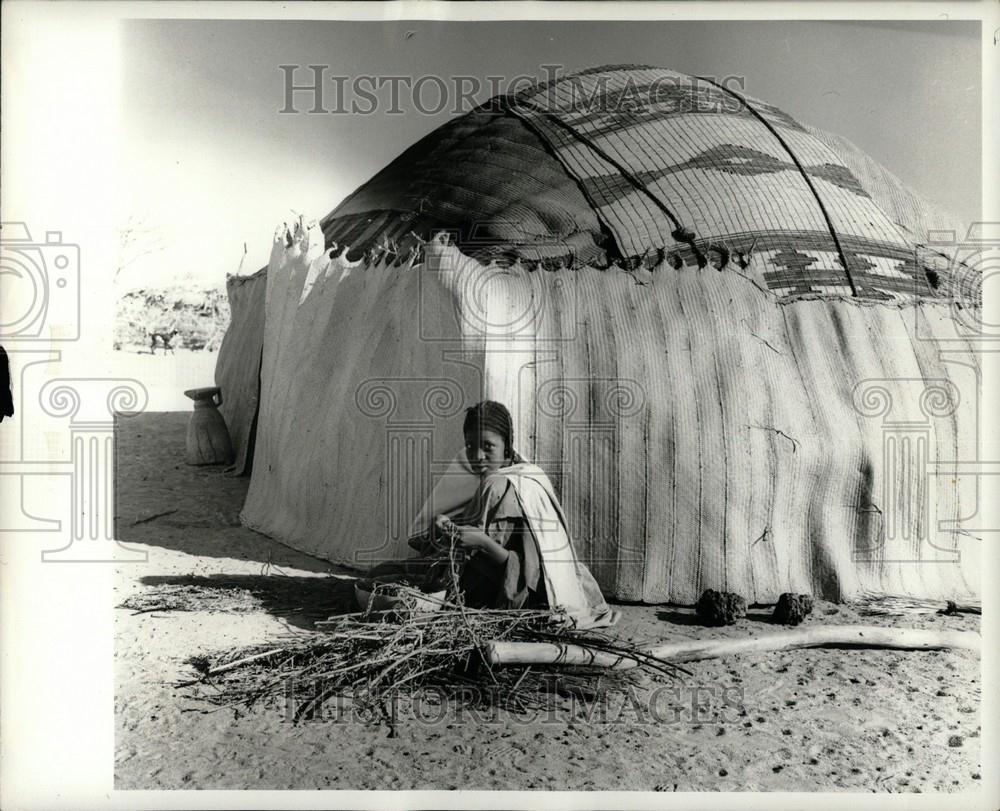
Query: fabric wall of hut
point(237, 370)
point(701, 431)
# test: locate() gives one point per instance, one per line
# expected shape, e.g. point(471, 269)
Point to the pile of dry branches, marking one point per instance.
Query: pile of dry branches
point(373, 657)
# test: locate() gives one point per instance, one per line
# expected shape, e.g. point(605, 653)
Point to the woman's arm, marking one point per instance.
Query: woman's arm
point(475, 538)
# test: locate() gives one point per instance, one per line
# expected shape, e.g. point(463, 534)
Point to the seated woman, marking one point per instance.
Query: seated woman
point(504, 513)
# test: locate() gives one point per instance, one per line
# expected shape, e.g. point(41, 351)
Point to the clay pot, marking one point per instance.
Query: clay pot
point(208, 440)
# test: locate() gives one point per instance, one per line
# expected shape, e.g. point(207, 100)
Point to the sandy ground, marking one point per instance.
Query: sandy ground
point(815, 720)
point(165, 375)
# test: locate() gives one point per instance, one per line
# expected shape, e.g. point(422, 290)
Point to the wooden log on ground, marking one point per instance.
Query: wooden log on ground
point(549, 653)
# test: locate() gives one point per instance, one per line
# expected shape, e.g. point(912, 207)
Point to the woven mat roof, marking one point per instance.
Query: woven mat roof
point(632, 163)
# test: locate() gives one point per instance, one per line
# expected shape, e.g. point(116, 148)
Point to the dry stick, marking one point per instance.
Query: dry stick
point(460, 601)
point(521, 653)
point(396, 663)
point(215, 671)
point(512, 692)
point(328, 674)
point(153, 517)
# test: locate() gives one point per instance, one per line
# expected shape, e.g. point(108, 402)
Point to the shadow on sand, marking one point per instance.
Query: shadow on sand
point(687, 616)
point(161, 501)
point(298, 600)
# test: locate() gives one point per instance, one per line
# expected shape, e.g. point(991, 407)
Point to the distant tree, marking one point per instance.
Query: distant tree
point(136, 239)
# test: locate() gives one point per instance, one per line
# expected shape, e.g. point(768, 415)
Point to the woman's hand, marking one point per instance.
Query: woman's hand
point(442, 522)
point(443, 529)
point(466, 536)
point(471, 538)
point(446, 528)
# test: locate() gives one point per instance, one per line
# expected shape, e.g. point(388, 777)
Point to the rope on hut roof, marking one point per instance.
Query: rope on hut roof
point(802, 171)
point(680, 233)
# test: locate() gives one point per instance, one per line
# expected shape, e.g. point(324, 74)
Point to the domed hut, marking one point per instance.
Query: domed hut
point(719, 331)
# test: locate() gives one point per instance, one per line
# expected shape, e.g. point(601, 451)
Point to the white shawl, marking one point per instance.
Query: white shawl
point(569, 585)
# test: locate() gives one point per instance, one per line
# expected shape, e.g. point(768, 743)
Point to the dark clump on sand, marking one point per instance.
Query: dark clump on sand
point(792, 608)
point(720, 607)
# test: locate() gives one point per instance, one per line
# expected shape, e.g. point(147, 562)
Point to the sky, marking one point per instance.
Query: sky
point(210, 162)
